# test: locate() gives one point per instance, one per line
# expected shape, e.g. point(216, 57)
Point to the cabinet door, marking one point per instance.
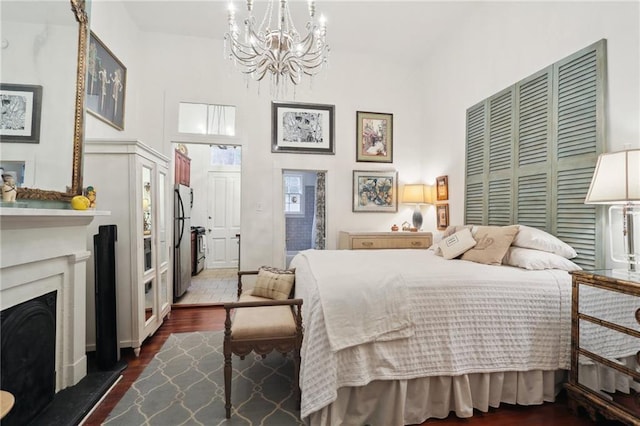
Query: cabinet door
point(149, 235)
point(163, 243)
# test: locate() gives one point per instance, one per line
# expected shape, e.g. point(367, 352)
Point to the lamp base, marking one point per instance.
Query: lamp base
point(417, 218)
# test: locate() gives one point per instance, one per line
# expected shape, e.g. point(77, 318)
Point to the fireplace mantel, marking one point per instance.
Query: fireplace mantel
point(44, 250)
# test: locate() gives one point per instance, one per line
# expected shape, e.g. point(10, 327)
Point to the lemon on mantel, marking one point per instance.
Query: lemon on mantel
point(80, 202)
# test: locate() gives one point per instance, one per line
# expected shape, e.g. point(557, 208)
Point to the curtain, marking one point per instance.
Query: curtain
point(319, 220)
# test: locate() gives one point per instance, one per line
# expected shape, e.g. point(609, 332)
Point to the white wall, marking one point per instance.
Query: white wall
point(505, 44)
point(501, 44)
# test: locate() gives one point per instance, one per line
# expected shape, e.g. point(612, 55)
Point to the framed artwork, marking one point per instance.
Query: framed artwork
point(106, 84)
point(302, 128)
point(442, 210)
point(374, 137)
point(375, 191)
point(21, 107)
point(442, 188)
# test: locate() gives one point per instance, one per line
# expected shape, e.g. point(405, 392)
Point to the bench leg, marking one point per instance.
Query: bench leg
point(227, 383)
point(296, 377)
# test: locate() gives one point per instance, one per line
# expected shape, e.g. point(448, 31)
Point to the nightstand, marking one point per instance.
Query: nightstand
point(384, 240)
point(605, 346)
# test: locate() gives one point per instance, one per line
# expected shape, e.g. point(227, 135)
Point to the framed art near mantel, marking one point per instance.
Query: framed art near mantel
point(21, 106)
point(374, 137)
point(442, 188)
point(375, 191)
point(106, 84)
point(302, 128)
point(442, 210)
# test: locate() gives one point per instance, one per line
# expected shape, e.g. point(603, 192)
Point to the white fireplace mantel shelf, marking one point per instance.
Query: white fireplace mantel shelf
point(45, 250)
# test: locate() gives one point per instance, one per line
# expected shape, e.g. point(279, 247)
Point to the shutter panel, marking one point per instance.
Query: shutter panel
point(575, 220)
point(500, 202)
point(500, 131)
point(475, 140)
point(533, 200)
point(559, 113)
point(474, 207)
point(533, 129)
point(577, 84)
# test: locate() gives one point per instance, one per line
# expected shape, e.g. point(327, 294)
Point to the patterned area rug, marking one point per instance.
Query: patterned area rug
point(184, 385)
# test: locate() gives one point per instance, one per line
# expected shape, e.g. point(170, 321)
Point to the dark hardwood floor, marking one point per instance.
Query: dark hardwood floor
point(211, 318)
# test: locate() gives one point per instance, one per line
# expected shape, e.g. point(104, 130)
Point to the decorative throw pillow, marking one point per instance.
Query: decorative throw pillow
point(456, 244)
point(493, 243)
point(538, 239)
point(274, 283)
point(451, 229)
point(537, 259)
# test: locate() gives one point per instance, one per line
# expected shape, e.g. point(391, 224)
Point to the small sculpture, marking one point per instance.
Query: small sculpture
point(394, 228)
point(9, 190)
point(90, 193)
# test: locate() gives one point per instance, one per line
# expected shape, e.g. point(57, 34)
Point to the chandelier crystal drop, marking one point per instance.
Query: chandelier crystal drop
point(275, 47)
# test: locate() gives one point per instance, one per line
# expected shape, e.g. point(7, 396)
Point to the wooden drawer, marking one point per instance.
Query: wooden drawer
point(384, 240)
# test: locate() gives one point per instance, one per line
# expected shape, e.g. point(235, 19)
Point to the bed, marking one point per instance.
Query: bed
point(462, 335)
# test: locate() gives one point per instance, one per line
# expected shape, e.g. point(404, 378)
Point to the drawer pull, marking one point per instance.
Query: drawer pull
point(367, 244)
point(416, 244)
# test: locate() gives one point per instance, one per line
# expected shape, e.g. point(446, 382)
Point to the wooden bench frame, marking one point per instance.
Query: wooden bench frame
point(261, 346)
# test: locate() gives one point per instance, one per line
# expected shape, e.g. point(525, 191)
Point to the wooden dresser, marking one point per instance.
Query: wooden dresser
point(605, 339)
point(384, 240)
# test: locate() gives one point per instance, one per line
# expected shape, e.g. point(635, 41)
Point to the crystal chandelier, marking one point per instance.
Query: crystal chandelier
point(276, 48)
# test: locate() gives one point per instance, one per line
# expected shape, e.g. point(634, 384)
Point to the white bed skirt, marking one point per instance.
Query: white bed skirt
point(405, 402)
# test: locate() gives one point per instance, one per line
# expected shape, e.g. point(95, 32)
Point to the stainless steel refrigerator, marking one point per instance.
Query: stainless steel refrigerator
point(182, 203)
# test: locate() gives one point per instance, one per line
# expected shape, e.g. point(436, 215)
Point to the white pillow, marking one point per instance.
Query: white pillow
point(537, 239)
point(456, 244)
point(536, 260)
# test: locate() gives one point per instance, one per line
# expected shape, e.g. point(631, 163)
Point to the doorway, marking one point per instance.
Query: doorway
point(304, 194)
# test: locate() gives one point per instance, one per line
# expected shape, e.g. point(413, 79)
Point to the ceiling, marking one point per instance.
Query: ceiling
point(381, 27)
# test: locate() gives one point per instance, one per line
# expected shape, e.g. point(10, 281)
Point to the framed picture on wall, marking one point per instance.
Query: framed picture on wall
point(374, 137)
point(442, 188)
point(302, 128)
point(106, 84)
point(375, 191)
point(442, 210)
point(21, 107)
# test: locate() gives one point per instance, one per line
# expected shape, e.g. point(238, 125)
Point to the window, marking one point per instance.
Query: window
point(294, 194)
point(226, 155)
point(205, 119)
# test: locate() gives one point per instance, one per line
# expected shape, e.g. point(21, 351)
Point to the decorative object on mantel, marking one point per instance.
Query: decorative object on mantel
point(616, 181)
point(90, 193)
point(276, 48)
point(417, 194)
point(9, 190)
point(394, 228)
point(80, 202)
point(374, 137)
point(442, 188)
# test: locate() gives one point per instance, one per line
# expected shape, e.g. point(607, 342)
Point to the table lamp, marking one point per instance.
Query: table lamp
point(416, 194)
point(616, 181)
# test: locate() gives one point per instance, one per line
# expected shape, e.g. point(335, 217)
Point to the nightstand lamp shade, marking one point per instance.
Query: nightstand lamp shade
point(417, 194)
point(616, 180)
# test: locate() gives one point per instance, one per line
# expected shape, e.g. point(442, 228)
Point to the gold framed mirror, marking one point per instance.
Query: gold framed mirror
point(45, 45)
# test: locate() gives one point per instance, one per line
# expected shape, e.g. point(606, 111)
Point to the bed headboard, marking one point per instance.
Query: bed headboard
point(531, 150)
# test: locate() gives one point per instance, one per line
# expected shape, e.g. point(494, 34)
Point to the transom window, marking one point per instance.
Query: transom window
point(207, 119)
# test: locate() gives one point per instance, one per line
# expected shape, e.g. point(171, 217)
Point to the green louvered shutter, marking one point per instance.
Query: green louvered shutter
point(532, 149)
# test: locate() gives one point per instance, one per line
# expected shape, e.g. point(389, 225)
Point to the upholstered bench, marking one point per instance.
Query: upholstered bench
point(265, 318)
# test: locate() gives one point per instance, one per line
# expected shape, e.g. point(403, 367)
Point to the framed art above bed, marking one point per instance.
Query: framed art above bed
point(375, 191)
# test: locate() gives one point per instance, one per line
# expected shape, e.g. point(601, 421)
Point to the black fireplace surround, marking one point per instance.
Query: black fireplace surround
point(28, 356)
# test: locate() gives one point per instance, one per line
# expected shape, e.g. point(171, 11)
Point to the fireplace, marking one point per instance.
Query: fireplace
point(27, 349)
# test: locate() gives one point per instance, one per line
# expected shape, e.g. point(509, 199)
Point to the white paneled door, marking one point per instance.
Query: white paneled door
point(223, 223)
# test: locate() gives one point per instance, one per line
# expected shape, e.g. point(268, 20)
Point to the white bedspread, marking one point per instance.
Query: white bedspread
point(467, 318)
point(363, 306)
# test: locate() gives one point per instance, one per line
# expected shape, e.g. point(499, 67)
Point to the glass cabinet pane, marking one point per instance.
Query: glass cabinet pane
point(164, 289)
point(147, 254)
point(149, 296)
point(147, 204)
point(162, 221)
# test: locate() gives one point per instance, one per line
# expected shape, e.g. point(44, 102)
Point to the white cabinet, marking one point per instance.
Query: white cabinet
point(132, 182)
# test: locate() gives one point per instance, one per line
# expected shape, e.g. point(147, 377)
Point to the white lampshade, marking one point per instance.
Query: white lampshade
point(416, 194)
point(616, 179)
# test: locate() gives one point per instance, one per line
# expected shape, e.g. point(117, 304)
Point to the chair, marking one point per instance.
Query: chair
point(261, 325)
